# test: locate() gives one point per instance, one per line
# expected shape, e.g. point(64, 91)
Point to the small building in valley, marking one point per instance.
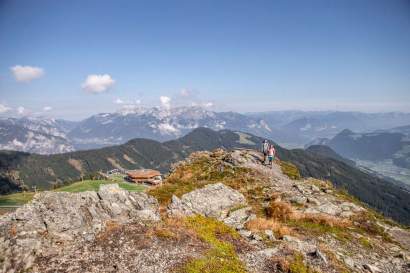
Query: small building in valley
point(144, 176)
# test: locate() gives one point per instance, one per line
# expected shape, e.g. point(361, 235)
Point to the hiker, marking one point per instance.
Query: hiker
point(265, 149)
point(271, 154)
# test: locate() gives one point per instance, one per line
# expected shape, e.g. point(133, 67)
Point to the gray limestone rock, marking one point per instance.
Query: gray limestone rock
point(215, 200)
point(67, 217)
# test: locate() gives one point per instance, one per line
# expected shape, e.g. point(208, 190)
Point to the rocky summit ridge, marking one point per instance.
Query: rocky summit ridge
point(220, 211)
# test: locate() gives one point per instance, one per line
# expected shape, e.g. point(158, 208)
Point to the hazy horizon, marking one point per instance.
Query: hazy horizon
point(41, 114)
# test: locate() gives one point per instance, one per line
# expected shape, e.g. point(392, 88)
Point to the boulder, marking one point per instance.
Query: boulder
point(349, 262)
point(245, 233)
point(215, 200)
point(320, 256)
point(300, 200)
point(313, 201)
point(270, 235)
point(315, 189)
point(68, 215)
point(238, 218)
point(256, 237)
point(299, 245)
point(328, 208)
point(268, 252)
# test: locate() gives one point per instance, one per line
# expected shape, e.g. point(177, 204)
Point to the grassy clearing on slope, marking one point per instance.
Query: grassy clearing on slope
point(221, 257)
point(21, 198)
point(16, 199)
point(94, 185)
point(290, 170)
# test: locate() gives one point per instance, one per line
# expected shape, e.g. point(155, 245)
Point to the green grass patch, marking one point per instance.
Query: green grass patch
point(16, 199)
point(94, 185)
point(297, 265)
point(131, 187)
point(221, 257)
point(21, 198)
point(177, 187)
point(306, 226)
point(365, 243)
point(290, 170)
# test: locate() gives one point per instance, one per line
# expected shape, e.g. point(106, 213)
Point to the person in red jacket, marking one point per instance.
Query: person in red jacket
point(271, 154)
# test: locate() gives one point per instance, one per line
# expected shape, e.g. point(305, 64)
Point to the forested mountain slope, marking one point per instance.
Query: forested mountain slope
point(26, 170)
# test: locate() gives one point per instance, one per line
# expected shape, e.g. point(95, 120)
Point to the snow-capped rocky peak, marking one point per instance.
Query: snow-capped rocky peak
point(43, 125)
point(132, 109)
point(33, 134)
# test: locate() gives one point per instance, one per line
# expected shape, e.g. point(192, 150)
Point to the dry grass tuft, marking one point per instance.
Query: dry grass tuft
point(279, 210)
point(319, 224)
point(172, 228)
point(13, 230)
point(262, 224)
point(323, 219)
point(163, 232)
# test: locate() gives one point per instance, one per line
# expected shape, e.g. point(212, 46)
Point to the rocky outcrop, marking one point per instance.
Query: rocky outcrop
point(54, 218)
point(216, 201)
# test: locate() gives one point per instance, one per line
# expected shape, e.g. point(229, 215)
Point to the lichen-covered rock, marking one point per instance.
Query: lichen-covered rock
point(327, 208)
point(215, 200)
point(238, 218)
point(58, 217)
point(300, 200)
point(302, 246)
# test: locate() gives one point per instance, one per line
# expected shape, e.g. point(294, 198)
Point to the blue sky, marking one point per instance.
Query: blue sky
point(71, 59)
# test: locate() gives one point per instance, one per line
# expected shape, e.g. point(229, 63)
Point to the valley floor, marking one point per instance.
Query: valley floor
point(386, 168)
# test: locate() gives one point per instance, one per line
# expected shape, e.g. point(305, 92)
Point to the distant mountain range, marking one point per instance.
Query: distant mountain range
point(157, 124)
point(45, 136)
point(19, 169)
point(393, 144)
point(289, 128)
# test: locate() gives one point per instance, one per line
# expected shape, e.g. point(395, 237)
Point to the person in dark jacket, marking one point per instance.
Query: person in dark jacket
point(265, 150)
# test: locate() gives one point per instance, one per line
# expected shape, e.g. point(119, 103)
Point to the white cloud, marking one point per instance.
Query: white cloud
point(208, 104)
point(165, 102)
point(119, 101)
point(4, 108)
point(98, 83)
point(185, 92)
point(166, 128)
point(21, 110)
point(47, 108)
point(26, 73)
